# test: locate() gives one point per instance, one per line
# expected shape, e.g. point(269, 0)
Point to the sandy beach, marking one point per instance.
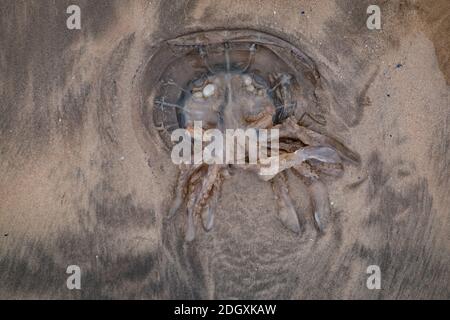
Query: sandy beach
point(84, 182)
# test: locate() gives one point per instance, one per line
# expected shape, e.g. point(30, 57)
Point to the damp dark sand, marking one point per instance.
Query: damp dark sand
point(81, 184)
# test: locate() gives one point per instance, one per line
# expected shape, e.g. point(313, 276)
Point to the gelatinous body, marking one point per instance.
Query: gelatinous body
point(240, 80)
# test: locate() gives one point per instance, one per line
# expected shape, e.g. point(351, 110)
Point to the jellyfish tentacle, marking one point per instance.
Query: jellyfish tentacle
point(318, 193)
point(212, 177)
point(190, 223)
point(286, 208)
point(290, 129)
point(182, 186)
point(319, 201)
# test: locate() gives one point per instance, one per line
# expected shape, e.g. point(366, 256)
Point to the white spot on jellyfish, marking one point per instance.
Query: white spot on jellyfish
point(247, 79)
point(208, 90)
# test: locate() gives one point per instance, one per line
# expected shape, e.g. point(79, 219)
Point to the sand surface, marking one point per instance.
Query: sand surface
point(80, 183)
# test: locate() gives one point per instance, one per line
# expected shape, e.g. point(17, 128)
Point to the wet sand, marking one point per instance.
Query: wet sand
point(83, 182)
